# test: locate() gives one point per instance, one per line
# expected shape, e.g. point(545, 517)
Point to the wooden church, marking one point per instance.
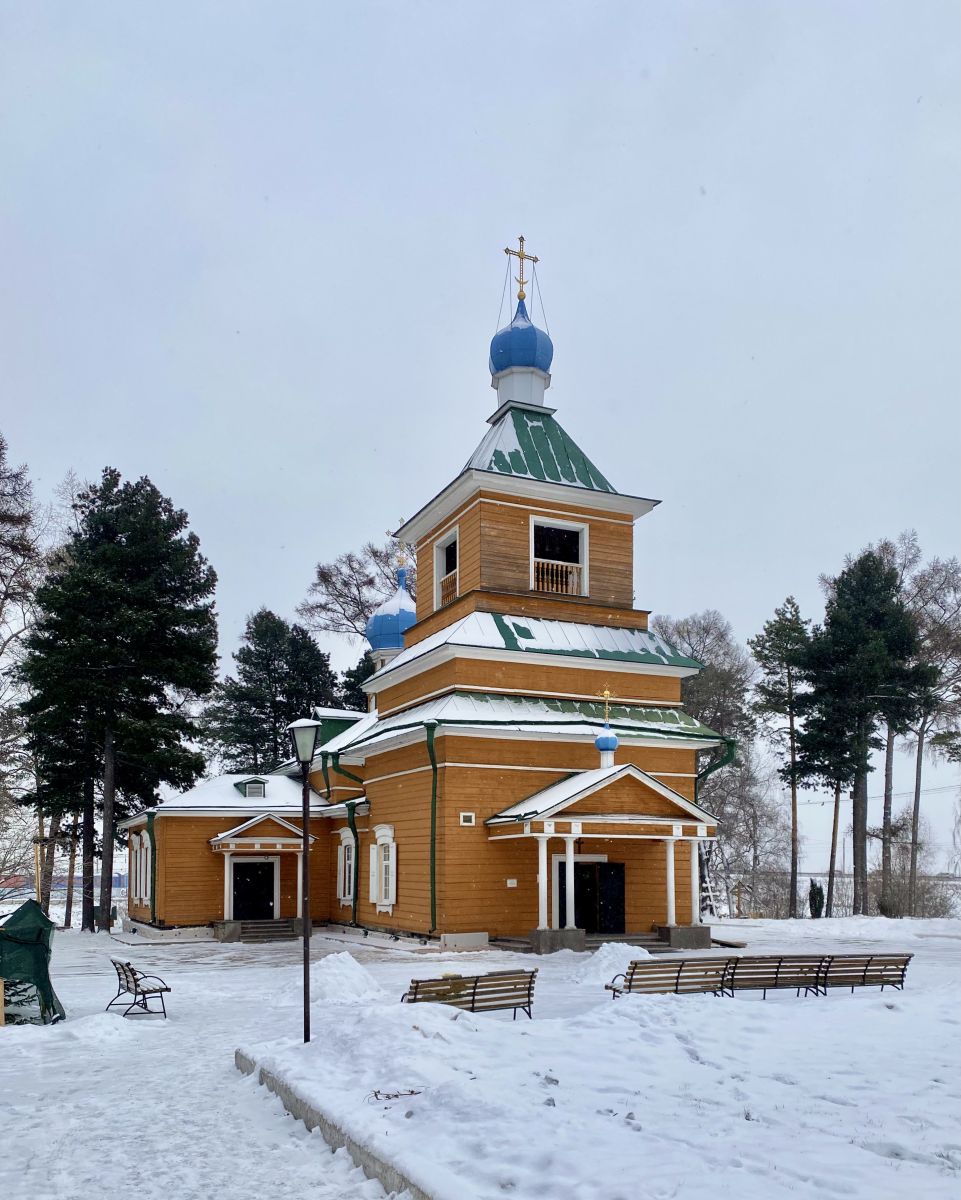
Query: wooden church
point(526, 769)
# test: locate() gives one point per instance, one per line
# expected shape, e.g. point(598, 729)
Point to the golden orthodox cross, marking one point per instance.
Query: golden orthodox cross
point(607, 704)
point(522, 257)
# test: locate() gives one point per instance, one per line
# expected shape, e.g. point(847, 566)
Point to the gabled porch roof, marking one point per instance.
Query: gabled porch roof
point(238, 830)
point(558, 796)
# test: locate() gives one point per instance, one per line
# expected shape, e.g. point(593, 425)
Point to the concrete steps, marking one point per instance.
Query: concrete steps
point(268, 931)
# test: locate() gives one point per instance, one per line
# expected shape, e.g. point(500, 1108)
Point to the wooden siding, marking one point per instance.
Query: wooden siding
point(190, 875)
point(494, 550)
point(530, 679)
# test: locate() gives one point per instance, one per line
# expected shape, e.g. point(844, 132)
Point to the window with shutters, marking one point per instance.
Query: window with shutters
point(383, 869)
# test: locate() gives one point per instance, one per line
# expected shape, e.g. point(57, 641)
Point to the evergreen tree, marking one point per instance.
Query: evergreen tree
point(861, 666)
point(281, 675)
point(352, 694)
point(825, 756)
point(779, 651)
point(816, 899)
point(125, 638)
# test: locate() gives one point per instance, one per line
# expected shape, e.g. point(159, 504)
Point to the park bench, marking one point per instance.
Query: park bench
point(477, 993)
point(682, 976)
point(866, 970)
point(773, 972)
point(131, 982)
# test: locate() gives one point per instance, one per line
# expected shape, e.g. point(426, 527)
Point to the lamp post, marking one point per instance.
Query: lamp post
point(303, 734)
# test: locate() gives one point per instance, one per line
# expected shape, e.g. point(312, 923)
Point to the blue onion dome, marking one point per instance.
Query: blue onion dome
point(386, 628)
point(606, 740)
point(521, 344)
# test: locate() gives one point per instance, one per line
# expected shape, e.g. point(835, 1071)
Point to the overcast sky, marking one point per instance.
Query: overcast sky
point(254, 251)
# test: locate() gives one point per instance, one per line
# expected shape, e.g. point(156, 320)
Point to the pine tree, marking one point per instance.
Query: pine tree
point(281, 675)
point(861, 667)
point(779, 651)
point(125, 638)
point(352, 694)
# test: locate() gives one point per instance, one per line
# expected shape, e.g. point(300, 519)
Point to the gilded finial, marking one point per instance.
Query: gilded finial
point(522, 257)
point(607, 704)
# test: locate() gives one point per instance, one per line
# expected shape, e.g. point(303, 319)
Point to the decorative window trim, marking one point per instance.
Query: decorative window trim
point(468, 819)
point(345, 868)
point(583, 528)
point(383, 869)
point(439, 547)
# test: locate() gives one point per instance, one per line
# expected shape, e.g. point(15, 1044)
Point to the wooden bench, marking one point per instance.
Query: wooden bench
point(773, 972)
point(867, 970)
point(131, 982)
point(477, 993)
point(682, 976)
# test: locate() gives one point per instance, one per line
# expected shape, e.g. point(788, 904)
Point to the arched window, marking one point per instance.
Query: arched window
point(345, 867)
point(383, 869)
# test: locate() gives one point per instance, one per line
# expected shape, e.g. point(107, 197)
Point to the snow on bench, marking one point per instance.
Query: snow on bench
point(477, 993)
point(131, 982)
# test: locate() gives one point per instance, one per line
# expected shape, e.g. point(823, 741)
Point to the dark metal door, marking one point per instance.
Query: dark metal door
point(253, 891)
point(610, 897)
point(598, 896)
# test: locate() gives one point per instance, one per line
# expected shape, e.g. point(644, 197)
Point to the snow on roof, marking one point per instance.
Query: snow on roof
point(533, 635)
point(535, 715)
point(534, 446)
point(281, 793)
point(336, 714)
point(582, 783)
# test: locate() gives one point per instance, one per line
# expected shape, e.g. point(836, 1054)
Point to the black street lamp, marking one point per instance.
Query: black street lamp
point(303, 734)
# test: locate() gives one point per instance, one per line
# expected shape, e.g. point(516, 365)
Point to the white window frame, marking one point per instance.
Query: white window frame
point(255, 783)
point(133, 887)
point(585, 552)
point(440, 546)
point(468, 819)
point(345, 868)
point(383, 869)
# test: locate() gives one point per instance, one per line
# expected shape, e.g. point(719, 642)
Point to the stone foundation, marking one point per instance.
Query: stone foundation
point(546, 941)
point(685, 937)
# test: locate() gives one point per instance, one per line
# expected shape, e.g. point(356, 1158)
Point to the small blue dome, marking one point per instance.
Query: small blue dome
point(521, 344)
point(606, 740)
point(386, 628)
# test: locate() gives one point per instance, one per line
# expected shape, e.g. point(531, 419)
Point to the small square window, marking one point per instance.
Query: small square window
point(467, 818)
point(256, 791)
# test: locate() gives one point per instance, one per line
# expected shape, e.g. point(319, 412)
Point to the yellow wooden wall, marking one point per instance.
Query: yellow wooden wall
point(521, 677)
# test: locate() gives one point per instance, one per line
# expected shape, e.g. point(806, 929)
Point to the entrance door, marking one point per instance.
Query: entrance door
point(598, 896)
point(253, 891)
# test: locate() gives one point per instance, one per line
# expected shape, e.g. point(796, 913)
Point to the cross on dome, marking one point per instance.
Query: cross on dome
point(521, 257)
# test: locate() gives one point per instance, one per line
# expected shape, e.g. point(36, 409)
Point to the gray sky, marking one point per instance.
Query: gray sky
point(255, 252)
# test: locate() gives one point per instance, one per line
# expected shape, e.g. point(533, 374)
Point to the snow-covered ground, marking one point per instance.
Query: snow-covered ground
point(656, 1096)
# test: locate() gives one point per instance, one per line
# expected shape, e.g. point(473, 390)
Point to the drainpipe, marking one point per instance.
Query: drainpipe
point(431, 728)
point(350, 805)
point(152, 838)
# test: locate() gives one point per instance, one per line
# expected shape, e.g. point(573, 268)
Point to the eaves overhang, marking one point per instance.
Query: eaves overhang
point(460, 490)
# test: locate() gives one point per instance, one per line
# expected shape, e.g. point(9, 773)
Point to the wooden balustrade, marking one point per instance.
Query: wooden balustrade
point(560, 578)
point(448, 588)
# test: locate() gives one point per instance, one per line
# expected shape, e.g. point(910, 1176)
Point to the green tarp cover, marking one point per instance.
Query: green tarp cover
point(25, 947)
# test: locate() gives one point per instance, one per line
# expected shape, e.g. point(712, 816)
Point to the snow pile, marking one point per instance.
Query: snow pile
point(613, 958)
point(768, 1099)
point(336, 979)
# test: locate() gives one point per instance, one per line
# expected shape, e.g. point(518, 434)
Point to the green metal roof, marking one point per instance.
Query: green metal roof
point(532, 445)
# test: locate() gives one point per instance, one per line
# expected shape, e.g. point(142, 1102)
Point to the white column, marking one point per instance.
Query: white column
point(695, 883)
point(300, 883)
point(542, 922)
point(569, 882)
point(671, 913)
point(228, 898)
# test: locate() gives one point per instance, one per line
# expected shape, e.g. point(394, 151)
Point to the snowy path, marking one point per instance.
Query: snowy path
point(850, 1096)
point(105, 1106)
